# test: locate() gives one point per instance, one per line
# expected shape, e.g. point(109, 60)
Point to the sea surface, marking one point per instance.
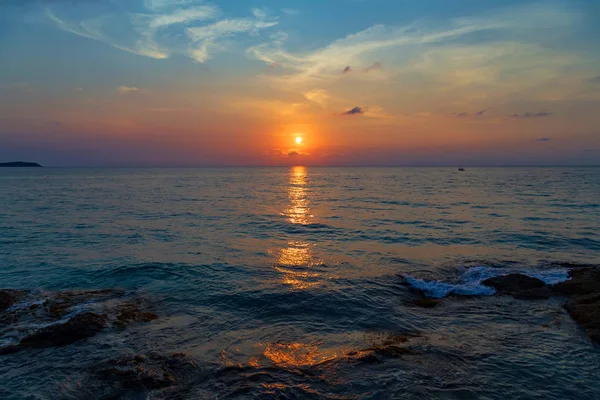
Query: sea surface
point(273, 279)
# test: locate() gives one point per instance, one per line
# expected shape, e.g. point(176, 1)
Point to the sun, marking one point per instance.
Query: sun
point(299, 139)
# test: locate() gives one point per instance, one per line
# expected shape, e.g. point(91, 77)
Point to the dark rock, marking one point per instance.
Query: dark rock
point(583, 281)
point(129, 312)
point(8, 297)
point(427, 302)
point(514, 284)
point(61, 302)
point(151, 371)
point(583, 305)
point(10, 349)
point(79, 327)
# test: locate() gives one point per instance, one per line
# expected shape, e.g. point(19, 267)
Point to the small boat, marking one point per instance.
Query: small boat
point(461, 169)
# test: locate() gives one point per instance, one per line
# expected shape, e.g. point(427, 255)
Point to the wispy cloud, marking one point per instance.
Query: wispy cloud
point(318, 96)
point(544, 139)
point(540, 114)
point(128, 89)
point(497, 53)
point(166, 28)
point(375, 67)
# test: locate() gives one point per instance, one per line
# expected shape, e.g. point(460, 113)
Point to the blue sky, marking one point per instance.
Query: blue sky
point(186, 82)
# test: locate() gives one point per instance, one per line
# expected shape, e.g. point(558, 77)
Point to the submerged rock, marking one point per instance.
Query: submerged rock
point(130, 312)
point(150, 371)
point(8, 297)
point(584, 303)
point(427, 302)
point(59, 303)
point(582, 291)
point(79, 327)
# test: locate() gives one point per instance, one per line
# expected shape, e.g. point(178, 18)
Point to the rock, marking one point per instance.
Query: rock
point(8, 297)
point(583, 305)
point(150, 371)
point(517, 284)
point(427, 302)
point(130, 312)
point(61, 302)
point(79, 327)
point(10, 349)
point(583, 281)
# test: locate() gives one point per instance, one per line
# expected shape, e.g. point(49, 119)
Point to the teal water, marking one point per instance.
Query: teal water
point(296, 266)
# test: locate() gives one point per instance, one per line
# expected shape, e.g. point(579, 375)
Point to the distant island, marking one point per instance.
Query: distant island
point(19, 164)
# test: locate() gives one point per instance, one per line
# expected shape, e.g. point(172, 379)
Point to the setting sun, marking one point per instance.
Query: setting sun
point(298, 139)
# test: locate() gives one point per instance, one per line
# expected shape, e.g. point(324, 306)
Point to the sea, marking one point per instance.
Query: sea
point(277, 281)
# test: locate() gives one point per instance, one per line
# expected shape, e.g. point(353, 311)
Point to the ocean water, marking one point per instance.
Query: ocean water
point(273, 278)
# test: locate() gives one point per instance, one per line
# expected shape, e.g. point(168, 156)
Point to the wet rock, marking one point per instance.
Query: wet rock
point(427, 302)
point(10, 349)
point(150, 371)
point(583, 281)
point(583, 304)
point(130, 312)
point(513, 282)
point(58, 304)
point(79, 327)
point(8, 297)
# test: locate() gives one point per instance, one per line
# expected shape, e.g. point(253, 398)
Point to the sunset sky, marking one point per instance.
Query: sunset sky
point(361, 82)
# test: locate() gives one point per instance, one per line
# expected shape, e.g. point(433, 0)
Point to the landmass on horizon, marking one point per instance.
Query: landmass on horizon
point(19, 164)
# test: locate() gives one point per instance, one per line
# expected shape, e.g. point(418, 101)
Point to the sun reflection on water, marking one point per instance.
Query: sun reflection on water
point(295, 261)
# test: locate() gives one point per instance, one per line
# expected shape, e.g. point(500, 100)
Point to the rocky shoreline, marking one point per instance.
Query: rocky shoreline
point(62, 318)
point(581, 291)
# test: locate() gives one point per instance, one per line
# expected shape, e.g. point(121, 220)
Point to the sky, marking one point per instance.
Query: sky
point(300, 82)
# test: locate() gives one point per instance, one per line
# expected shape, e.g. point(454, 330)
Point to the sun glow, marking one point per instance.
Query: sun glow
point(299, 139)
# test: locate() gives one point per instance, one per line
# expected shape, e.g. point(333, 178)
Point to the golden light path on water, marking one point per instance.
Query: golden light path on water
point(295, 261)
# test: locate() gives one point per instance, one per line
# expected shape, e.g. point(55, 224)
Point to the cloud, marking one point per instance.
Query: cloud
point(544, 139)
point(595, 79)
point(354, 111)
point(480, 112)
point(166, 28)
point(346, 70)
point(293, 154)
point(375, 67)
point(462, 114)
point(533, 114)
point(318, 96)
point(498, 52)
point(127, 89)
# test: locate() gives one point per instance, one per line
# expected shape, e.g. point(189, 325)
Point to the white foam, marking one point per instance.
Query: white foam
point(470, 284)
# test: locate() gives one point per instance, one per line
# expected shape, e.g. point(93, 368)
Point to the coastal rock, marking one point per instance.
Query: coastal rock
point(513, 282)
point(59, 303)
point(427, 302)
point(8, 297)
point(583, 281)
point(150, 371)
point(79, 327)
point(130, 312)
point(585, 310)
point(584, 303)
point(519, 285)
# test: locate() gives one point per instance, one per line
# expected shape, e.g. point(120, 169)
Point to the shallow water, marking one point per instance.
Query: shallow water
point(272, 278)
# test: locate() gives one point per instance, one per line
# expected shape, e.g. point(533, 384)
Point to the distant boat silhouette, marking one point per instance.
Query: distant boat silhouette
point(461, 169)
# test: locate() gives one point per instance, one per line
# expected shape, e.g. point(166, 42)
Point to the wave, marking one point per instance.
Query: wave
point(471, 284)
